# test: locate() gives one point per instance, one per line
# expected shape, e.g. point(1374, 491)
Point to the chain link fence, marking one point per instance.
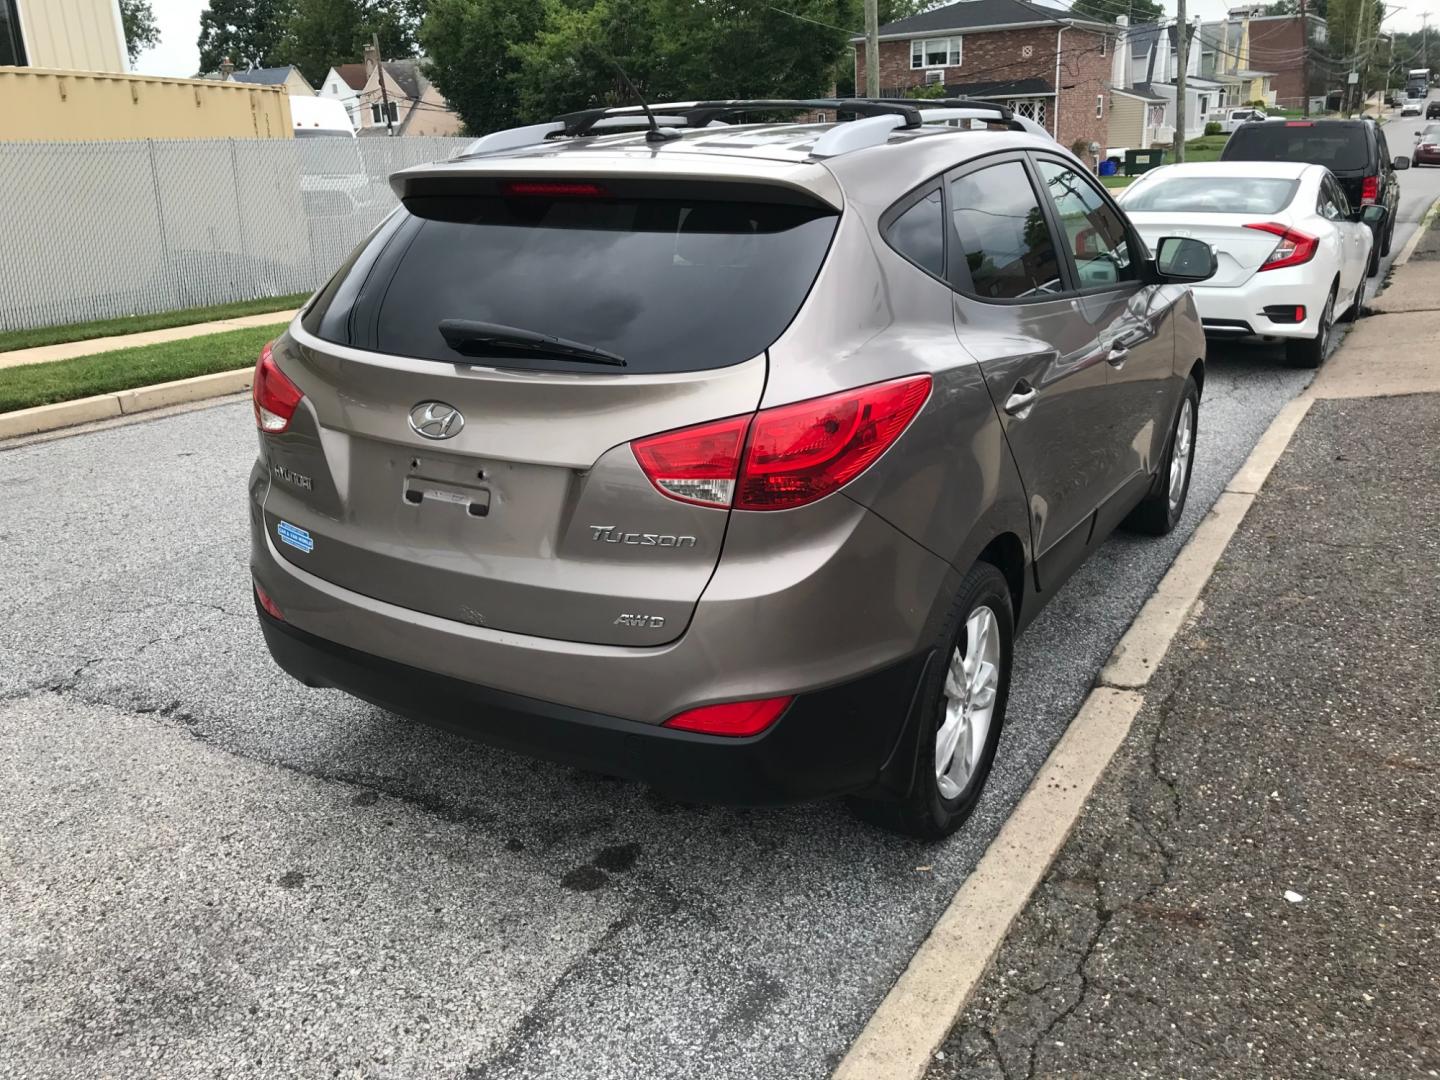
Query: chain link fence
point(97, 230)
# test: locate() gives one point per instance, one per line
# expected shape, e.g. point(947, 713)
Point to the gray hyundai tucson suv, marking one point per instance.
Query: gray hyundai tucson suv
point(729, 457)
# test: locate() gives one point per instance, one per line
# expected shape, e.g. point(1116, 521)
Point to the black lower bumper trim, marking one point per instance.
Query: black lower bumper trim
point(828, 742)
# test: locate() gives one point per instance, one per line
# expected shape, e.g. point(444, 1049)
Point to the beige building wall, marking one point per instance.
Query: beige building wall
point(85, 105)
point(74, 35)
point(1127, 121)
point(433, 116)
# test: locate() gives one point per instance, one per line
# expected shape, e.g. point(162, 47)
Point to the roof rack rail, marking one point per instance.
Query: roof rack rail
point(900, 112)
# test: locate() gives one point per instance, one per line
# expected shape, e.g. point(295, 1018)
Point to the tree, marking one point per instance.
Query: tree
point(469, 47)
point(1139, 11)
point(576, 59)
point(141, 31)
point(249, 32)
point(321, 34)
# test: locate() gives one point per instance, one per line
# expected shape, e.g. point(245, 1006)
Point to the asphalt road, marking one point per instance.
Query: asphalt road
point(207, 869)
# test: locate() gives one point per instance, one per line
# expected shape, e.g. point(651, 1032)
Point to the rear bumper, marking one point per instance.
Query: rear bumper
point(854, 737)
point(1240, 311)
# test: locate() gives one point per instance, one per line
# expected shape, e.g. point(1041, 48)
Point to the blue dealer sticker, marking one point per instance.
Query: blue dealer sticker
point(295, 536)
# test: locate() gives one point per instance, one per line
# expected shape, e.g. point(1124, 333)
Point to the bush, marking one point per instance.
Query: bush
point(1214, 128)
point(930, 90)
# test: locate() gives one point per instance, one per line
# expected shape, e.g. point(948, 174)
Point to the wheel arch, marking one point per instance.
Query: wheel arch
point(1006, 553)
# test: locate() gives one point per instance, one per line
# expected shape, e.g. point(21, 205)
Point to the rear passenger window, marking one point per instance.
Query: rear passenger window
point(1093, 229)
point(919, 234)
point(1004, 239)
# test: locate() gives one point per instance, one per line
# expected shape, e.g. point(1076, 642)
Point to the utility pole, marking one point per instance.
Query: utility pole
point(1182, 59)
point(872, 48)
point(1304, 61)
point(384, 94)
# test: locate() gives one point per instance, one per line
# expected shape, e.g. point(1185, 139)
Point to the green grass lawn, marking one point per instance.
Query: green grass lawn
point(1113, 182)
point(134, 324)
point(123, 369)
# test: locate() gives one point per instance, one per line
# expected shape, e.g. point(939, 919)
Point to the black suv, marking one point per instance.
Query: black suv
point(1354, 150)
point(1432, 111)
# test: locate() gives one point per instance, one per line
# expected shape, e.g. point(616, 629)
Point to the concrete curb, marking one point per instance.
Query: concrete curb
point(122, 403)
point(901, 1037)
point(1419, 234)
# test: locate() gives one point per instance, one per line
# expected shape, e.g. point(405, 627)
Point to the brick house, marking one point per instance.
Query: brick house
point(1277, 42)
point(1044, 64)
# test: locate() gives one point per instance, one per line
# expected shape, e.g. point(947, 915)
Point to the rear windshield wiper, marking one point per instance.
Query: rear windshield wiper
point(472, 338)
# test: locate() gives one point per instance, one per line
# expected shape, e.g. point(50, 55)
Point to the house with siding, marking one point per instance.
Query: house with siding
point(409, 104)
point(1144, 86)
point(289, 77)
point(64, 35)
point(1045, 64)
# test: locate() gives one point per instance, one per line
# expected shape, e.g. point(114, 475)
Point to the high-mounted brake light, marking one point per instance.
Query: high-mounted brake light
point(792, 454)
point(275, 397)
point(1370, 189)
point(1294, 248)
point(735, 718)
point(555, 189)
point(1299, 123)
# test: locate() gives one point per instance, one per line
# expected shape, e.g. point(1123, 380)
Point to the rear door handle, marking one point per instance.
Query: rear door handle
point(1021, 399)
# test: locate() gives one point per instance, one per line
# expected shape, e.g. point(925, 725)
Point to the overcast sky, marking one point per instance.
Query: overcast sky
point(179, 22)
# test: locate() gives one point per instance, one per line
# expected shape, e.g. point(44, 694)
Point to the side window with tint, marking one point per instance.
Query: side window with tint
point(1004, 240)
point(919, 234)
point(1094, 231)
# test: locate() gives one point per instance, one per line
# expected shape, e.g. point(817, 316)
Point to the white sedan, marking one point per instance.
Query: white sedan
point(1292, 252)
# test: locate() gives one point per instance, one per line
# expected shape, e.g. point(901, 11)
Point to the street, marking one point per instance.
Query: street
point(211, 869)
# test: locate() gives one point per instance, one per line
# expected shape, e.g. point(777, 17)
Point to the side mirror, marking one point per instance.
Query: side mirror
point(1401, 162)
point(1183, 260)
point(1374, 215)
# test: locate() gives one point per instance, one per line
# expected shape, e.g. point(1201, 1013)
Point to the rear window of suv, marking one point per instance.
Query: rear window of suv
point(1340, 147)
point(668, 284)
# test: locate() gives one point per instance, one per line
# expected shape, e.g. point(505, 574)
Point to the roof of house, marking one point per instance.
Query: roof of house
point(1142, 38)
point(1004, 88)
point(272, 76)
point(352, 75)
point(406, 75)
point(1144, 91)
point(976, 15)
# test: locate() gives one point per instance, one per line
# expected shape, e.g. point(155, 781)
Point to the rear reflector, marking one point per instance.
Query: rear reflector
point(271, 608)
point(1294, 248)
point(555, 189)
point(275, 397)
point(792, 455)
point(1285, 313)
point(735, 718)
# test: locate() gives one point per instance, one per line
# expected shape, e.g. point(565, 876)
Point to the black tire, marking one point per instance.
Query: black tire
point(1389, 236)
point(1374, 268)
point(1155, 515)
point(925, 811)
point(1310, 352)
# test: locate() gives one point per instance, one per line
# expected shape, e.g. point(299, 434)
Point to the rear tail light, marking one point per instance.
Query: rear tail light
point(275, 396)
point(736, 718)
point(783, 457)
point(271, 608)
point(1370, 189)
point(1294, 248)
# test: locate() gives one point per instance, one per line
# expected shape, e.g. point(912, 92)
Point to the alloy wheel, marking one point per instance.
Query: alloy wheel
point(972, 684)
point(1180, 455)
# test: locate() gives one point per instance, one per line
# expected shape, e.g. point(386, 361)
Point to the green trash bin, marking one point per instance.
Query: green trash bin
point(1140, 161)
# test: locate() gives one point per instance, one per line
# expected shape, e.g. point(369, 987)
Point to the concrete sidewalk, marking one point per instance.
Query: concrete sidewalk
point(69, 350)
point(1254, 885)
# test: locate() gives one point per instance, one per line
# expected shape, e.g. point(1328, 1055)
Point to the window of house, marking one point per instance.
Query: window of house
point(935, 52)
point(1029, 108)
point(1094, 231)
point(919, 234)
point(1104, 45)
point(1007, 250)
point(1099, 106)
point(379, 109)
point(12, 44)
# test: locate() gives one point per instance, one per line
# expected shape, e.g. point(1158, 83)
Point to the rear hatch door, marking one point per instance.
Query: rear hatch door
point(485, 475)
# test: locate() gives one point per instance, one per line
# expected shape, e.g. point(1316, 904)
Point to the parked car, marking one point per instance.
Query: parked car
point(1427, 146)
point(1230, 119)
point(1292, 256)
point(1353, 150)
point(1432, 110)
point(707, 456)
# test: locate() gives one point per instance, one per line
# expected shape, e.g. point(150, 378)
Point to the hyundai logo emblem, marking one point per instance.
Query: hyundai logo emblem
point(436, 420)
